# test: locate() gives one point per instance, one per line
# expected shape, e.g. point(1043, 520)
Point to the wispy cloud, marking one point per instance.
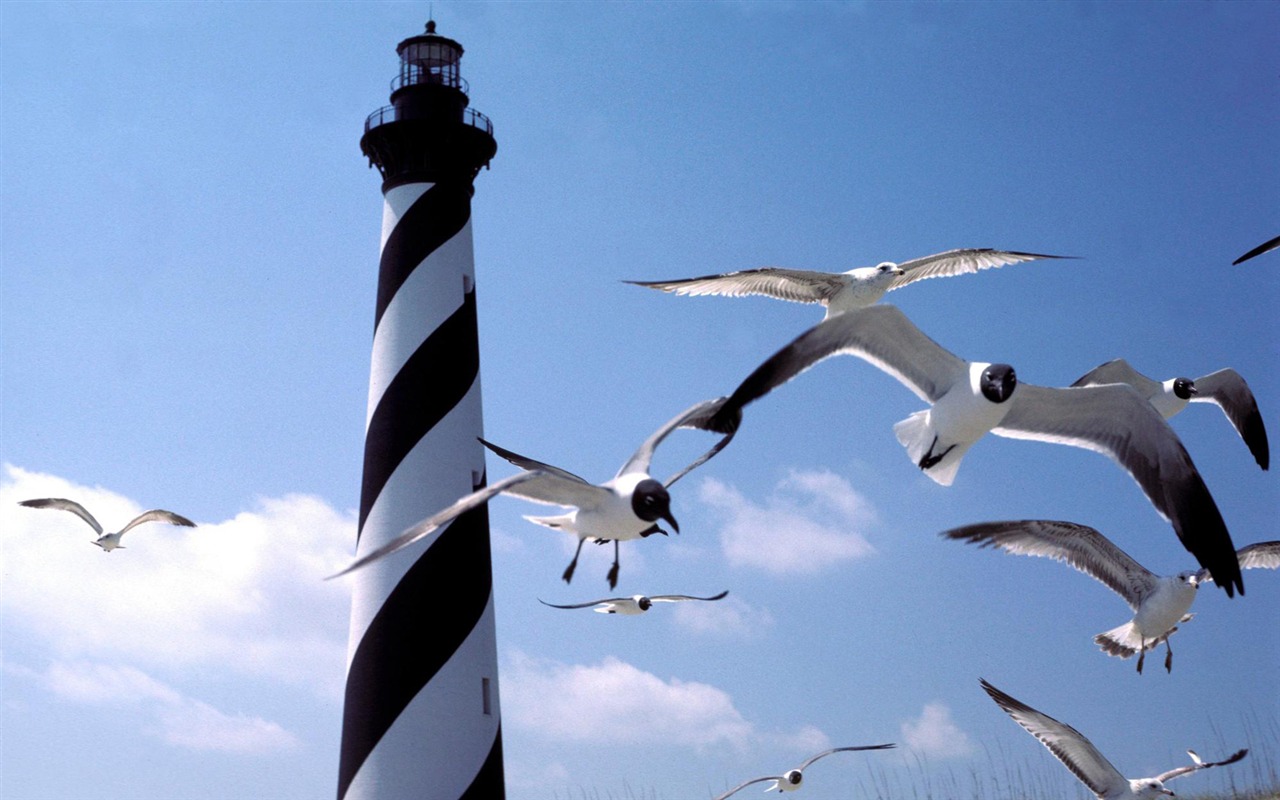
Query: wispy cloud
point(934, 734)
point(812, 520)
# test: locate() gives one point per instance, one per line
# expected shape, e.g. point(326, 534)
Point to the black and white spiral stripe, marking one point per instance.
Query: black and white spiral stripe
point(421, 715)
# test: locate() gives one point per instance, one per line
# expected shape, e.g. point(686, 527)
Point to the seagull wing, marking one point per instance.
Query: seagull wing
point(796, 285)
point(675, 598)
point(1115, 420)
point(1079, 546)
point(1178, 772)
point(524, 462)
point(826, 753)
point(745, 784)
point(880, 334)
point(586, 605)
point(1259, 250)
point(157, 515)
point(696, 416)
point(536, 485)
point(1261, 555)
point(1118, 371)
point(958, 262)
point(1229, 392)
point(66, 505)
point(1071, 748)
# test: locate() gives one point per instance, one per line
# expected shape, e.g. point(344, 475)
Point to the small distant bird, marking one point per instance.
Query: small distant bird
point(969, 399)
point(1159, 603)
point(842, 291)
point(1224, 388)
point(108, 541)
point(635, 604)
point(1259, 250)
point(792, 779)
point(626, 507)
point(1085, 762)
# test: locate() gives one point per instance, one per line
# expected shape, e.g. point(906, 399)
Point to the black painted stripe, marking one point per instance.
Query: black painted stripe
point(490, 783)
point(424, 620)
point(433, 219)
point(434, 379)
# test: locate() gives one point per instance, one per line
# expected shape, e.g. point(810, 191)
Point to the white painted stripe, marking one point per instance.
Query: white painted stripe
point(443, 732)
point(394, 205)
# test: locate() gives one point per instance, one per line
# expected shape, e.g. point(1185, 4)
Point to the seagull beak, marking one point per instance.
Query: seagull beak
point(669, 518)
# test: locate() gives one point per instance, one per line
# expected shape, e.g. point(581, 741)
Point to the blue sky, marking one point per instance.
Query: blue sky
point(188, 264)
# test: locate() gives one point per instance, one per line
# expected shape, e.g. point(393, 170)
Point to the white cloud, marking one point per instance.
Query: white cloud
point(934, 733)
point(246, 595)
point(728, 617)
point(811, 521)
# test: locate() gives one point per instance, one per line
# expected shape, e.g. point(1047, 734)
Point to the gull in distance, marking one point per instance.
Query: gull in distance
point(108, 541)
point(793, 779)
point(1159, 603)
point(626, 507)
point(969, 399)
point(843, 291)
point(1085, 762)
point(635, 604)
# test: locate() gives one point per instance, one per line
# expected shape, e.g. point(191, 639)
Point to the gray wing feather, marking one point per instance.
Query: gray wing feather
point(826, 753)
point(586, 605)
point(1259, 250)
point(745, 784)
point(65, 505)
point(1115, 420)
point(524, 462)
point(1261, 555)
point(795, 285)
point(1079, 546)
point(1178, 772)
point(1228, 391)
point(1118, 371)
point(673, 598)
point(696, 416)
point(1066, 743)
point(959, 262)
point(158, 515)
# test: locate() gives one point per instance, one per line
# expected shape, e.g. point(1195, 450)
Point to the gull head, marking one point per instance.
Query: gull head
point(889, 268)
point(651, 502)
point(1189, 578)
point(643, 602)
point(1184, 388)
point(998, 382)
point(1149, 787)
point(792, 778)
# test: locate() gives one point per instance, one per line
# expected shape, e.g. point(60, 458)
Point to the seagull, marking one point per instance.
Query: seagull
point(792, 779)
point(1225, 388)
point(108, 541)
point(969, 399)
point(843, 291)
point(1159, 603)
point(635, 604)
point(1085, 762)
point(1257, 251)
point(626, 507)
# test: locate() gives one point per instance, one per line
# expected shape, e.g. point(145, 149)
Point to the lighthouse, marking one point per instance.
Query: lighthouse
point(421, 716)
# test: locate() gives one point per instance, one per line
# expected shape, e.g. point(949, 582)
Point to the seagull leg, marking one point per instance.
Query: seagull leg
point(1168, 656)
point(931, 460)
point(613, 571)
point(568, 571)
point(1142, 655)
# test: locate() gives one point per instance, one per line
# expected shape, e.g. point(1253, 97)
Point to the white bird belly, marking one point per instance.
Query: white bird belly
point(1164, 609)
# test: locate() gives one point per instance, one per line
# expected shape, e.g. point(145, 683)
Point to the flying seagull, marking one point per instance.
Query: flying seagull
point(1085, 762)
point(843, 291)
point(1259, 250)
point(968, 399)
point(1159, 603)
point(108, 541)
point(792, 779)
point(635, 604)
point(1224, 388)
point(626, 507)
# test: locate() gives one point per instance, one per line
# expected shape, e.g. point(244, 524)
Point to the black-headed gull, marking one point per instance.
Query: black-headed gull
point(843, 291)
point(1224, 388)
point(108, 541)
point(635, 604)
point(623, 508)
point(1259, 250)
point(969, 399)
point(1083, 759)
point(1159, 603)
point(793, 779)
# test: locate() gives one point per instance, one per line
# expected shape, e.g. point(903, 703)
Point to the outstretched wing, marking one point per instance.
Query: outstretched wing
point(1200, 764)
point(959, 262)
point(826, 753)
point(1261, 555)
point(675, 598)
point(524, 462)
point(157, 515)
point(745, 784)
point(1118, 371)
point(65, 505)
point(1066, 743)
point(1079, 546)
point(1229, 392)
point(1115, 420)
point(795, 285)
point(586, 605)
point(696, 416)
point(1257, 251)
point(880, 334)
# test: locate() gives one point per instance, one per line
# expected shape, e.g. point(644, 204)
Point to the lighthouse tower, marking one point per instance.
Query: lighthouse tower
point(421, 712)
